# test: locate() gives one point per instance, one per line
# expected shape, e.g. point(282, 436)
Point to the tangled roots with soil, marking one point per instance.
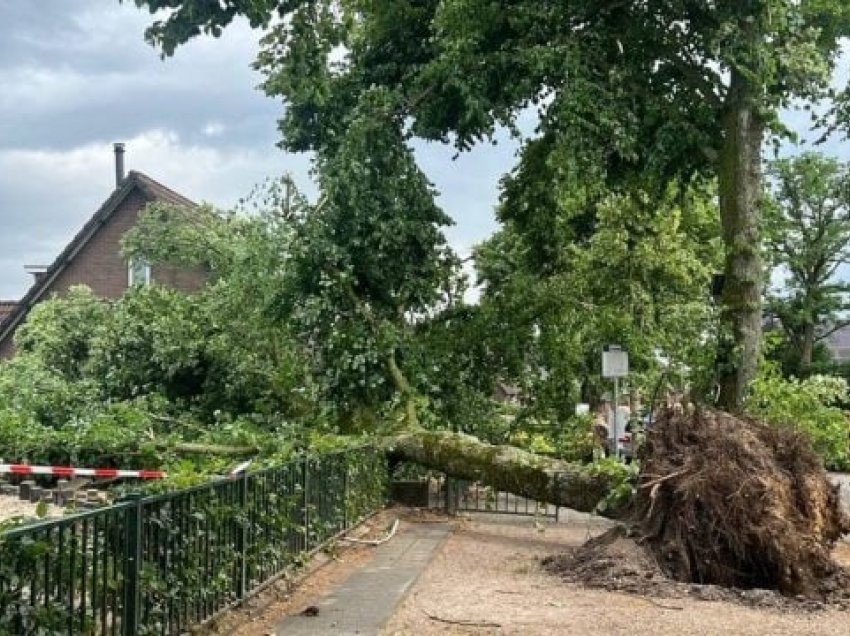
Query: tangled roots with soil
point(738, 503)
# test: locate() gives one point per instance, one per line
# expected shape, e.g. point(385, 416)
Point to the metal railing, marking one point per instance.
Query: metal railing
point(160, 564)
point(459, 495)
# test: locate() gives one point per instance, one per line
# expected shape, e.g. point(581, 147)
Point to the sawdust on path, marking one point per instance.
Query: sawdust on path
point(488, 579)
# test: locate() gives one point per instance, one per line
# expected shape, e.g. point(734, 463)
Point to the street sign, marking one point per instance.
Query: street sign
point(615, 365)
point(615, 362)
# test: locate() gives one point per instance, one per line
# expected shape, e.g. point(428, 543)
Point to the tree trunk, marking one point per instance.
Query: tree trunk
point(506, 468)
point(190, 448)
point(405, 390)
point(740, 185)
point(807, 348)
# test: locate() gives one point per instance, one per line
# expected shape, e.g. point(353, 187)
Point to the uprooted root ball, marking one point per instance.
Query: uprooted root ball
point(738, 503)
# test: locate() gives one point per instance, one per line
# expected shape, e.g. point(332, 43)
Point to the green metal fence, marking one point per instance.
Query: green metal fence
point(157, 565)
point(460, 495)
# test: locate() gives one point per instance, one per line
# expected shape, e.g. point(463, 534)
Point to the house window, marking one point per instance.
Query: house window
point(138, 273)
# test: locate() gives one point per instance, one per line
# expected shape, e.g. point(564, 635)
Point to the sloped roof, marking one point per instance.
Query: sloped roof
point(150, 189)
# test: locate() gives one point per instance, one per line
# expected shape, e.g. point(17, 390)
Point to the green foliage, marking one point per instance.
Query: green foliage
point(665, 90)
point(367, 261)
point(289, 341)
point(642, 79)
point(811, 406)
point(123, 382)
point(116, 434)
point(452, 363)
point(192, 543)
point(152, 343)
point(230, 354)
point(186, 237)
point(639, 277)
point(571, 439)
point(575, 441)
point(623, 478)
point(807, 236)
point(59, 335)
point(38, 393)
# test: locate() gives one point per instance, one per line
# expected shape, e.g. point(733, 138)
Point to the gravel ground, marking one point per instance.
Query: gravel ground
point(487, 579)
point(11, 507)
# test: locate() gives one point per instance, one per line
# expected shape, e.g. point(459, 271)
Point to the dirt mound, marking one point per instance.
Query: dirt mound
point(737, 503)
point(613, 561)
point(616, 562)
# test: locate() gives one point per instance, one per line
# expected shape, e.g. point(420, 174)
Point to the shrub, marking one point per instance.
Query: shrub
point(810, 406)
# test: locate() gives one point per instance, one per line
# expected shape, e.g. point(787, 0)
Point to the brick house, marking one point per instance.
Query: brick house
point(837, 343)
point(6, 308)
point(93, 257)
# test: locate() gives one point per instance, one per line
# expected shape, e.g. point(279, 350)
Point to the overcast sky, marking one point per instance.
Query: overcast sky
point(77, 76)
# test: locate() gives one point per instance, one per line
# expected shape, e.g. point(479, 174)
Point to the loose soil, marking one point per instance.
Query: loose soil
point(490, 578)
point(616, 562)
point(735, 502)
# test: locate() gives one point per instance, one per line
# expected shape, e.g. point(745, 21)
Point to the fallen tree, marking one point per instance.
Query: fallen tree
point(507, 468)
point(720, 499)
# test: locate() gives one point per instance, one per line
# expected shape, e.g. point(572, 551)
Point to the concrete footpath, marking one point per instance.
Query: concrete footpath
point(364, 602)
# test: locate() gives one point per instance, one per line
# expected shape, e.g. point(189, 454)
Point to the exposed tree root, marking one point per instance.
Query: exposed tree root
point(737, 503)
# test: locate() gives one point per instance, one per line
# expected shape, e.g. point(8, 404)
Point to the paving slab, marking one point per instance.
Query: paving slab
point(364, 602)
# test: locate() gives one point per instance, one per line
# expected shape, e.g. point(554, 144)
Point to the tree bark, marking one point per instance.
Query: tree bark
point(740, 182)
point(190, 448)
point(808, 347)
point(405, 390)
point(506, 468)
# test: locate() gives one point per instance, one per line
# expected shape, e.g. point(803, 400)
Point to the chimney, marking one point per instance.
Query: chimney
point(37, 271)
point(119, 163)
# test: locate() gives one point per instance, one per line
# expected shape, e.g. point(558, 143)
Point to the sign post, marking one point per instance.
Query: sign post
point(615, 365)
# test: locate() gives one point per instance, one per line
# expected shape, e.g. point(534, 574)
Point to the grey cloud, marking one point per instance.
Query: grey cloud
point(86, 64)
point(75, 76)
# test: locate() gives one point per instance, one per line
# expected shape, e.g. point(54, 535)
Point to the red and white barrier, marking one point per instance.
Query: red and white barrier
point(70, 471)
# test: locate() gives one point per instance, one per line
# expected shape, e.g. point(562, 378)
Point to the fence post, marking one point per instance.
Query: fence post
point(132, 565)
point(306, 503)
point(242, 537)
point(557, 478)
point(345, 484)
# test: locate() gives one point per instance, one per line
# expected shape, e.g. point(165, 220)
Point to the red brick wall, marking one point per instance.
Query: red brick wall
point(7, 348)
point(100, 265)
point(182, 278)
point(6, 308)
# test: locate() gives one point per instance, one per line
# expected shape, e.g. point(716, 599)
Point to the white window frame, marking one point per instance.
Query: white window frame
point(133, 270)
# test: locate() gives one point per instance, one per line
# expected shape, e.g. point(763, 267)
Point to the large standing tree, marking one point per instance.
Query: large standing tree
point(663, 87)
point(638, 275)
point(807, 235)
